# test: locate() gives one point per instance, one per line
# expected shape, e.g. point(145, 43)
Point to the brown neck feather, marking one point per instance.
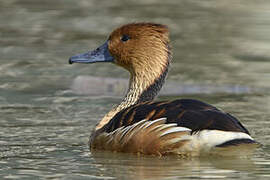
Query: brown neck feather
point(150, 93)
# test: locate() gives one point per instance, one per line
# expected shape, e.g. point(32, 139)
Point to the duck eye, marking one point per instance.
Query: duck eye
point(125, 38)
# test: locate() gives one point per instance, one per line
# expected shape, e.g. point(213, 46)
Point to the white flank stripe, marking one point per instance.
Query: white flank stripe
point(154, 121)
point(175, 129)
point(164, 126)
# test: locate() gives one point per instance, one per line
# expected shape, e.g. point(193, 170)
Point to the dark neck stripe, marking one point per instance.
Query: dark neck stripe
point(150, 93)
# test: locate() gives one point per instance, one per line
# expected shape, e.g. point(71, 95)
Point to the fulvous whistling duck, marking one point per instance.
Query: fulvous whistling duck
point(140, 125)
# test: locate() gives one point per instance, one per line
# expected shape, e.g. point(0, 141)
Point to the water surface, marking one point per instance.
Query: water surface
point(45, 126)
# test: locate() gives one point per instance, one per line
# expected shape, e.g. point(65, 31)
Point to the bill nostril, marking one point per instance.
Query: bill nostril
point(70, 61)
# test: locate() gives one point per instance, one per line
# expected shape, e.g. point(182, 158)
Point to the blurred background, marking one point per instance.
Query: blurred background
point(221, 55)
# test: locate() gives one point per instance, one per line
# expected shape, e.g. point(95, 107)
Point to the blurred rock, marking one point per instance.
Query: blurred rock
point(87, 85)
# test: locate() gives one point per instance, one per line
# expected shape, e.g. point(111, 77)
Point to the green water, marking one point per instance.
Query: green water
point(45, 126)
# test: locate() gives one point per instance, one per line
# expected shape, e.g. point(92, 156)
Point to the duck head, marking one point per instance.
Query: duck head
point(139, 47)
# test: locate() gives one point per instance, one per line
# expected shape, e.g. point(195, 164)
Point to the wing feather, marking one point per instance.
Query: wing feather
point(144, 137)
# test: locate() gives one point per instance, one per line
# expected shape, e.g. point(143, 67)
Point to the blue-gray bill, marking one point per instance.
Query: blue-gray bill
point(101, 54)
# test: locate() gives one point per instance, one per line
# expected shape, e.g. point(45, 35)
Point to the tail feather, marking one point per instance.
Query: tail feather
point(237, 142)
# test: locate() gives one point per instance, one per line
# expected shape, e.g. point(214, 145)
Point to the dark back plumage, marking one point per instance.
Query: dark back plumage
point(193, 114)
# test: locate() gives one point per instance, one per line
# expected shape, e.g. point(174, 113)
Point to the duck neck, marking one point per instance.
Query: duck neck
point(144, 85)
point(142, 88)
point(139, 91)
